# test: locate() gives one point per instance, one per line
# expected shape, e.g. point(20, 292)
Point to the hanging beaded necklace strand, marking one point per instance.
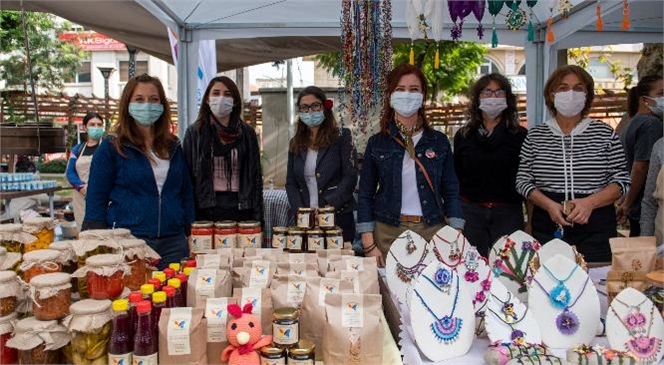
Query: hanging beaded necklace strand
point(567, 322)
point(511, 318)
point(446, 329)
point(455, 253)
point(406, 274)
point(560, 295)
point(640, 344)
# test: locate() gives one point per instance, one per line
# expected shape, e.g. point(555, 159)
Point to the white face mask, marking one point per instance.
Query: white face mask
point(493, 106)
point(658, 108)
point(221, 106)
point(406, 103)
point(569, 103)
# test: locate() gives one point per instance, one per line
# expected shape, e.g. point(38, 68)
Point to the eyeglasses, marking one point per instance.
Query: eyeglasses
point(315, 107)
point(565, 87)
point(487, 93)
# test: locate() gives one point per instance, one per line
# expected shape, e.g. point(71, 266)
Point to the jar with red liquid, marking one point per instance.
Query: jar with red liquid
point(175, 282)
point(158, 304)
point(183, 287)
point(156, 284)
point(8, 355)
point(134, 298)
point(147, 290)
point(249, 234)
point(105, 276)
point(170, 273)
point(202, 236)
point(121, 344)
point(170, 296)
point(225, 234)
point(145, 341)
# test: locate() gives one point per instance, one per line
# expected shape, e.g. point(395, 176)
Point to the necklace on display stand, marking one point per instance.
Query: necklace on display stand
point(560, 296)
point(446, 328)
point(641, 344)
point(567, 321)
point(406, 274)
point(510, 318)
point(456, 254)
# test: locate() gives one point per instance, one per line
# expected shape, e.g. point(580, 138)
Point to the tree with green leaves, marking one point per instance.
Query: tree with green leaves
point(458, 64)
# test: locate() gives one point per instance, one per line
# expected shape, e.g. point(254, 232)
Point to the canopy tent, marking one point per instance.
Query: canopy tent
point(251, 32)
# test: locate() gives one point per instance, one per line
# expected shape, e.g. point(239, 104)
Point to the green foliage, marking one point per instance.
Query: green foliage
point(53, 60)
point(581, 57)
point(52, 167)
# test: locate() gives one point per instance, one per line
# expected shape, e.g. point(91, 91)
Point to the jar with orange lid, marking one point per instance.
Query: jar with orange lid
point(104, 275)
point(8, 355)
point(138, 255)
point(9, 292)
point(249, 234)
point(43, 229)
point(40, 262)
point(9, 260)
point(202, 235)
point(51, 296)
point(225, 234)
point(39, 342)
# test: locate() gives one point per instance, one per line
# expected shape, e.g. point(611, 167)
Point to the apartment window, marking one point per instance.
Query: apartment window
point(599, 70)
point(83, 74)
point(487, 67)
point(141, 68)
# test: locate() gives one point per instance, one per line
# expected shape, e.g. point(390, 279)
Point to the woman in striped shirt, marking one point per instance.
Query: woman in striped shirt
point(573, 168)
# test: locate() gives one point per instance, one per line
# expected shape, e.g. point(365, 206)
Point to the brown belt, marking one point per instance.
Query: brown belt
point(411, 218)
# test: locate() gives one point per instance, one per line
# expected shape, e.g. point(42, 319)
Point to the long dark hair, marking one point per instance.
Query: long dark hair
point(90, 116)
point(204, 112)
point(328, 132)
point(510, 116)
point(643, 88)
point(387, 115)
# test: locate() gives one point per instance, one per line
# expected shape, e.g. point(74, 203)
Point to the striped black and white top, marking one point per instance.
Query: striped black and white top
point(582, 162)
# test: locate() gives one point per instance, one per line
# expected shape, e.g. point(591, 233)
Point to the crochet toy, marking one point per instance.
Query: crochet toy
point(244, 334)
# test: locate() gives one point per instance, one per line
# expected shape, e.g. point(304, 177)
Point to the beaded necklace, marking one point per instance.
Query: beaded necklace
point(406, 274)
point(560, 295)
point(446, 328)
point(567, 322)
point(456, 254)
point(640, 344)
point(511, 318)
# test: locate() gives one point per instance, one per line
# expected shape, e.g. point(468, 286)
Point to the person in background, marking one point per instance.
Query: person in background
point(573, 168)
point(486, 160)
point(645, 103)
point(322, 161)
point(78, 167)
point(223, 157)
point(652, 205)
point(139, 179)
point(407, 179)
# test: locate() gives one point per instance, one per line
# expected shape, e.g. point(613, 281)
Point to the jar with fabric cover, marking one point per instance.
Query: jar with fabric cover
point(9, 260)
point(67, 258)
point(51, 296)
point(89, 323)
point(9, 292)
point(85, 248)
point(105, 234)
point(40, 262)
point(104, 275)
point(8, 355)
point(7, 233)
point(43, 229)
point(138, 255)
point(39, 342)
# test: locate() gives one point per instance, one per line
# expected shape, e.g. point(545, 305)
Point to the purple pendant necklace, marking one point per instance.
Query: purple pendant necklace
point(640, 344)
point(446, 328)
point(510, 318)
point(567, 322)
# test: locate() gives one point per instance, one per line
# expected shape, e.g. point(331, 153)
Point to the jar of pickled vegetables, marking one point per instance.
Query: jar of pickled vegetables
point(43, 229)
point(225, 234)
point(67, 257)
point(9, 260)
point(39, 342)
point(9, 293)
point(52, 296)
point(7, 237)
point(104, 275)
point(8, 355)
point(40, 262)
point(138, 255)
point(90, 326)
point(249, 234)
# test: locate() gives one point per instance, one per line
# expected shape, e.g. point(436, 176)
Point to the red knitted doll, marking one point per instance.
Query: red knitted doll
point(244, 334)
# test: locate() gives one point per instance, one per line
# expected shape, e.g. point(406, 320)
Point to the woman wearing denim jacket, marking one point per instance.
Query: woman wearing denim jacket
point(394, 194)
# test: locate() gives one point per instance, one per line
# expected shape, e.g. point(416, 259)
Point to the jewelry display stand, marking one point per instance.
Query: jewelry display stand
point(509, 259)
point(475, 271)
point(509, 320)
point(565, 303)
point(408, 256)
point(441, 312)
point(552, 248)
point(634, 324)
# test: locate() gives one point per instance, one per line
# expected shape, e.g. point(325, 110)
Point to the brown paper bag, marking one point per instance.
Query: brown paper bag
point(364, 281)
point(297, 258)
point(255, 272)
point(214, 261)
point(182, 336)
point(304, 269)
point(353, 330)
point(354, 263)
point(288, 290)
point(324, 257)
point(633, 254)
point(617, 280)
point(271, 254)
point(217, 316)
point(207, 283)
point(312, 312)
point(261, 299)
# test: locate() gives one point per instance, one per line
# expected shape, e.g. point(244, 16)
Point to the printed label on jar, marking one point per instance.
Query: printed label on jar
point(206, 282)
point(326, 220)
point(146, 360)
point(303, 220)
point(334, 242)
point(352, 312)
point(295, 242)
point(265, 361)
point(253, 296)
point(251, 240)
point(315, 243)
point(260, 273)
point(178, 331)
point(327, 286)
point(199, 243)
point(124, 359)
point(296, 290)
point(285, 334)
point(225, 241)
point(291, 361)
point(217, 316)
point(278, 241)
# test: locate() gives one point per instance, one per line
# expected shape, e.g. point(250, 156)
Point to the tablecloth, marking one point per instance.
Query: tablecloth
point(275, 212)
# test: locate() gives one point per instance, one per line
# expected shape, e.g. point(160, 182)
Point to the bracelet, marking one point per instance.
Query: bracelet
point(370, 248)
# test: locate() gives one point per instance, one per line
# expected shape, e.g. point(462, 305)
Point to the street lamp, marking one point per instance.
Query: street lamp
point(106, 73)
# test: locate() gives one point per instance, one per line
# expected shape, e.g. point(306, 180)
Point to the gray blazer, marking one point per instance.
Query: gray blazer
point(336, 175)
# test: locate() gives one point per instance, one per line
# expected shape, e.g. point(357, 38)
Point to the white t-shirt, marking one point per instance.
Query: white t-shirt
point(410, 196)
point(160, 170)
point(310, 177)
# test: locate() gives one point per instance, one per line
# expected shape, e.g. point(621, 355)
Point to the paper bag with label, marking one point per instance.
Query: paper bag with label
point(325, 256)
point(353, 329)
point(288, 290)
point(312, 312)
point(298, 258)
point(261, 299)
point(216, 313)
point(364, 281)
point(617, 280)
point(304, 269)
point(633, 254)
point(213, 261)
point(182, 336)
point(207, 283)
point(254, 273)
point(271, 254)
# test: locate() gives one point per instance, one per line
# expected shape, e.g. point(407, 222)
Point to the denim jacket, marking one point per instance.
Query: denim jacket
point(379, 195)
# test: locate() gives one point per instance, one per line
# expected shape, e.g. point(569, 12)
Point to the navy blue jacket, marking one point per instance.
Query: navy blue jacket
point(336, 176)
point(122, 193)
point(379, 195)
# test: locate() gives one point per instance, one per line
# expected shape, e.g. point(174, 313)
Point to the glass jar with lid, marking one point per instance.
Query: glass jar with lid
point(202, 236)
point(89, 323)
point(249, 234)
point(9, 260)
point(655, 289)
point(40, 262)
point(285, 326)
point(273, 355)
point(303, 353)
point(279, 237)
point(52, 296)
point(39, 342)
point(43, 229)
point(8, 355)
point(315, 240)
point(333, 238)
point(326, 217)
point(85, 248)
point(295, 239)
point(9, 292)
point(8, 234)
point(104, 275)
point(225, 234)
point(306, 218)
point(105, 234)
point(138, 255)
point(67, 257)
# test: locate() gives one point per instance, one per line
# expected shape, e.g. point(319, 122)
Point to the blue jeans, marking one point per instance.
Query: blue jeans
point(171, 249)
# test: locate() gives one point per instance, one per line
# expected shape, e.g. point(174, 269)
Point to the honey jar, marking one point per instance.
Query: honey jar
point(202, 236)
point(52, 296)
point(273, 355)
point(249, 234)
point(9, 292)
point(285, 326)
point(279, 237)
point(303, 353)
point(326, 217)
point(295, 239)
point(40, 262)
point(305, 218)
point(334, 239)
point(315, 240)
point(43, 229)
point(225, 234)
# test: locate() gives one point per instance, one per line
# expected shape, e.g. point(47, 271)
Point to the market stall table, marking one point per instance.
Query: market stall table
point(8, 196)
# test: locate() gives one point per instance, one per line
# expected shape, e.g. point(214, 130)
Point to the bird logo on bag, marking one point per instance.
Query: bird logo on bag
point(180, 324)
point(297, 286)
point(329, 289)
point(352, 306)
point(207, 279)
point(253, 301)
point(260, 269)
point(218, 312)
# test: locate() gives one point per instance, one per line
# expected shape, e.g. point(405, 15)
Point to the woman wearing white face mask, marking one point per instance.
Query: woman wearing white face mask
point(223, 157)
point(322, 167)
point(644, 105)
point(486, 159)
point(573, 169)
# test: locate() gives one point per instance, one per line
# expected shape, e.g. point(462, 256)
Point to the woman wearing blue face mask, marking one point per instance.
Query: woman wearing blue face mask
point(322, 167)
point(644, 106)
point(139, 179)
point(573, 168)
point(78, 167)
point(407, 179)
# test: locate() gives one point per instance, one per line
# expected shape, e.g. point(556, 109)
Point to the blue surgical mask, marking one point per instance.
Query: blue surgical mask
point(658, 108)
point(312, 119)
point(146, 114)
point(95, 132)
point(406, 103)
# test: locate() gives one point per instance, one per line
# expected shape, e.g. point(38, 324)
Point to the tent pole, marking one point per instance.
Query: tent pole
point(183, 82)
point(535, 77)
point(290, 103)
